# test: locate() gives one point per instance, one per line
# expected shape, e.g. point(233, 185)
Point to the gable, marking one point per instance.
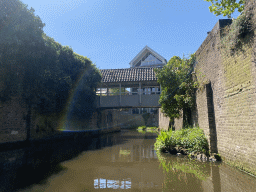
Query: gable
point(147, 58)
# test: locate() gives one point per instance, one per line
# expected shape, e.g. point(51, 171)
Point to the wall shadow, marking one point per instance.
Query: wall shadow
point(211, 119)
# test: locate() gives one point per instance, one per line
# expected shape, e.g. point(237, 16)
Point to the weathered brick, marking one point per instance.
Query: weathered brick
point(233, 81)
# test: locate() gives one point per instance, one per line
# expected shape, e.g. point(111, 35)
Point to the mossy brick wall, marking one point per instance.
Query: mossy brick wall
point(232, 80)
point(209, 71)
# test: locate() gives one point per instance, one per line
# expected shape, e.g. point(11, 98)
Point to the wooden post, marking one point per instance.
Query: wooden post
point(140, 91)
point(100, 92)
point(120, 93)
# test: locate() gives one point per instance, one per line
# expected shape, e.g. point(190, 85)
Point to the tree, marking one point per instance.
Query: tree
point(36, 67)
point(226, 7)
point(20, 43)
point(177, 86)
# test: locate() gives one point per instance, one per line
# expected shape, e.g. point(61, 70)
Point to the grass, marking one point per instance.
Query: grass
point(190, 140)
point(141, 127)
point(144, 129)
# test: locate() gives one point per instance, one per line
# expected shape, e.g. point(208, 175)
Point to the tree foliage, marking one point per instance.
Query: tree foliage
point(33, 65)
point(226, 7)
point(177, 86)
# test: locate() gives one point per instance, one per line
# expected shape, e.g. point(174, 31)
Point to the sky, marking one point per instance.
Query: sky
point(112, 32)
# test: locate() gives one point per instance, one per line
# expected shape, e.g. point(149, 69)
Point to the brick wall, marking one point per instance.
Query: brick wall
point(13, 121)
point(226, 110)
point(178, 122)
point(163, 120)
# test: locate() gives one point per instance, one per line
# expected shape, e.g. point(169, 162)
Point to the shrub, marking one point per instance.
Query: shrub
point(191, 139)
point(163, 140)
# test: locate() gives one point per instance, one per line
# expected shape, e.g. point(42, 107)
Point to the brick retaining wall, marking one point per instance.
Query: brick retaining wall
point(229, 117)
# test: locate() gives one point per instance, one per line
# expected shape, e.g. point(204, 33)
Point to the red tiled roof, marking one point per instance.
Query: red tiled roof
point(128, 75)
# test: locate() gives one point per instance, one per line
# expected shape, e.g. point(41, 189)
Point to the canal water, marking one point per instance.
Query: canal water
point(127, 161)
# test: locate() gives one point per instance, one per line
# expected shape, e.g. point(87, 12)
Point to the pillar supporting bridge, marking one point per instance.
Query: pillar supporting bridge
point(128, 88)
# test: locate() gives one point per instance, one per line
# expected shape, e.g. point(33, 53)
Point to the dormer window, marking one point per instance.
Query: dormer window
point(148, 58)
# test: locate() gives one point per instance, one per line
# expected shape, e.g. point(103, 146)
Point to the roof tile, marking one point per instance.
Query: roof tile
point(128, 74)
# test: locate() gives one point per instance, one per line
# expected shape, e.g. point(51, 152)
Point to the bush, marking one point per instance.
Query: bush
point(142, 127)
point(190, 139)
point(163, 140)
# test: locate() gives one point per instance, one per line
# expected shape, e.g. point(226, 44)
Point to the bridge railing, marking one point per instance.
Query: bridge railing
point(128, 101)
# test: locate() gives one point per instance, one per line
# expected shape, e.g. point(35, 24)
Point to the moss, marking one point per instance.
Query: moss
point(242, 166)
point(234, 35)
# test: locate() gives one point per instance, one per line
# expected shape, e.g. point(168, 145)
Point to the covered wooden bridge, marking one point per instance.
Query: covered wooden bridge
point(128, 88)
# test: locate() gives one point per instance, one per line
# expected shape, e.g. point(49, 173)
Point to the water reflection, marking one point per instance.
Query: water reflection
point(120, 161)
point(112, 184)
point(183, 166)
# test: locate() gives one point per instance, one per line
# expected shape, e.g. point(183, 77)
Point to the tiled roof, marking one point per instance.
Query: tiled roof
point(128, 75)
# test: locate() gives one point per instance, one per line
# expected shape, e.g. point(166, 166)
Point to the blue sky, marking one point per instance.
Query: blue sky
point(112, 32)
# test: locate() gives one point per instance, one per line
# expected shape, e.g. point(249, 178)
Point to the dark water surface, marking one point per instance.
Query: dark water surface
point(127, 161)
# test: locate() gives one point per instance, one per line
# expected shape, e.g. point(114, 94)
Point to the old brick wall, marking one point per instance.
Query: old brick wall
point(209, 71)
point(233, 112)
point(127, 120)
point(107, 118)
point(13, 120)
point(178, 122)
point(163, 120)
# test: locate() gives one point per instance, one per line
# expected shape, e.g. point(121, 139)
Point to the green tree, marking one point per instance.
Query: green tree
point(20, 43)
point(177, 86)
point(33, 65)
point(226, 7)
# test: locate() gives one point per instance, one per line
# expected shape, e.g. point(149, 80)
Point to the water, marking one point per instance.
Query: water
point(127, 161)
